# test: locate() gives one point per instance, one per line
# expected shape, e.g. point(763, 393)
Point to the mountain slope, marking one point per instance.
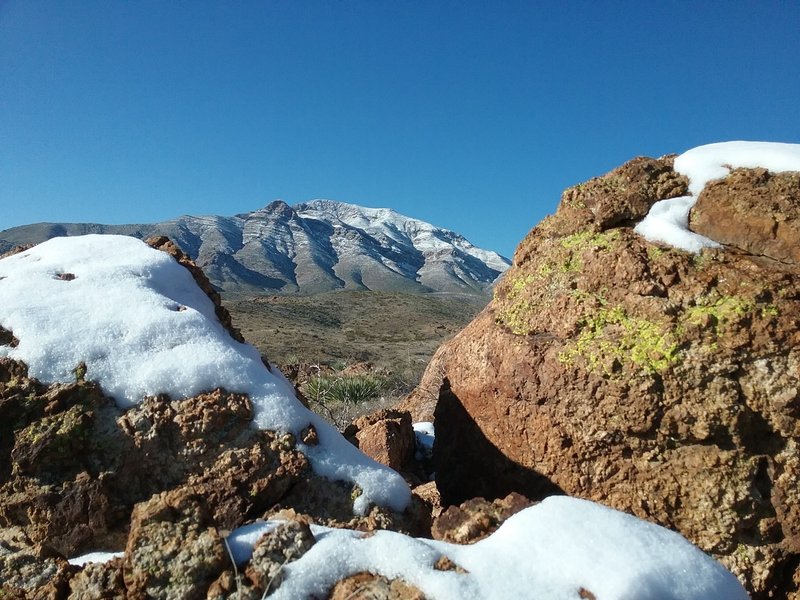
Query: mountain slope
point(312, 247)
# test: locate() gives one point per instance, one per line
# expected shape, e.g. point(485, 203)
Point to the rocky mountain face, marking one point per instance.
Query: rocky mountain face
point(312, 247)
point(656, 381)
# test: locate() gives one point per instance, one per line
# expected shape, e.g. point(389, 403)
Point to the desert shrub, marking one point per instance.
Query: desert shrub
point(343, 389)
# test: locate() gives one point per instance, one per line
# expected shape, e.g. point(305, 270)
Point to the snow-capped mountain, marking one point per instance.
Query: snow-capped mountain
point(311, 247)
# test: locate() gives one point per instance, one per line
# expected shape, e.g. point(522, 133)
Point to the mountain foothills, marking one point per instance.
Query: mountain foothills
point(312, 247)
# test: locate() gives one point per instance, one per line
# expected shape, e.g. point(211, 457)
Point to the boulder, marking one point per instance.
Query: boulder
point(656, 381)
point(386, 436)
point(73, 465)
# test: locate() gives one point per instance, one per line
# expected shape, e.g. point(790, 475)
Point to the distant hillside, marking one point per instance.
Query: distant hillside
point(312, 247)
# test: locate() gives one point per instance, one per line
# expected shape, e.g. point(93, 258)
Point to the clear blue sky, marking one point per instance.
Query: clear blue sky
point(471, 115)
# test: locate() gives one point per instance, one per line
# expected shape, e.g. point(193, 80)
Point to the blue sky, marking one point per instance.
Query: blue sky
point(471, 115)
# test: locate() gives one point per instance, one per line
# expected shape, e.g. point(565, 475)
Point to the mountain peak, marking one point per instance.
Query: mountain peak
point(314, 246)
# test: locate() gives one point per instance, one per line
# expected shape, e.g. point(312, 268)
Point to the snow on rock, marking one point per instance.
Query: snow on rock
point(425, 434)
point(141, 325)
point(95, 557)
point(668, 220)
point(548, 551)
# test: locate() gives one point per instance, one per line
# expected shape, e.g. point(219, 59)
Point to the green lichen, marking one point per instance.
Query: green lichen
point(701, 260)
point(654, 252)
point(770, 310)
point(571, 264)
point(519, 284)
point(356, 493)
point(59, 436)
point(584, 296)
point(515, 314)
point(610, 339)
point(80, 372)
point(718, 310)
point(545, 270)
point(584, 240)
point(554, 276)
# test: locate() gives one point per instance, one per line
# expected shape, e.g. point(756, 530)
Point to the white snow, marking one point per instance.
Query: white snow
point(548, 551)
point(95, 557)
point(424, 435)
point(143, 327)
point(668, 220)
point(385, 223)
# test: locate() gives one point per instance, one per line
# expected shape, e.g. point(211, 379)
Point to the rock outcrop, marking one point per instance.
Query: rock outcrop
point(476, 519)
point(165, 480)
point(75, 464)
point(658, 382)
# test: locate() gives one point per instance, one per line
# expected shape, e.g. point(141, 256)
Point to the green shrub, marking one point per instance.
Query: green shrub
point(347, 390)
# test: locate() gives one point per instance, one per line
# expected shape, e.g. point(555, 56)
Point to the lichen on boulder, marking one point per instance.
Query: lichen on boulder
point(656, 381)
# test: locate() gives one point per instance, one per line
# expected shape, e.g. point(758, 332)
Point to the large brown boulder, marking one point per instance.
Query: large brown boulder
point(658, 382)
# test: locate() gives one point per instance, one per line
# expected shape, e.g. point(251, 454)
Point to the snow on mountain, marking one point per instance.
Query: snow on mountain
point(315, 246)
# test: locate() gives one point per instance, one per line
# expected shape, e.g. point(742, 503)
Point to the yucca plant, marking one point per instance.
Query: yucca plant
point(347, 390)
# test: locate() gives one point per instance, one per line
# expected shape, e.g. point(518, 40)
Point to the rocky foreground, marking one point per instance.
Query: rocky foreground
point(659, 382)
point(148, 453)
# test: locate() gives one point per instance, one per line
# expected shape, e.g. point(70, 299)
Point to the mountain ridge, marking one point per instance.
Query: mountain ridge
point(316, 246)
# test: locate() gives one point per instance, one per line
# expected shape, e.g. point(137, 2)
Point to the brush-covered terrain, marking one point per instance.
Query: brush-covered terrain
point(392, 330)
point(352, 352)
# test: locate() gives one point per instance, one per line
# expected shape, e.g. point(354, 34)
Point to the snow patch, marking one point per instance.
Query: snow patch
point(668, 220)
point(550, 550)
point(424, 434)
point(95, 557)
point(141, 325)
point(385, 223)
